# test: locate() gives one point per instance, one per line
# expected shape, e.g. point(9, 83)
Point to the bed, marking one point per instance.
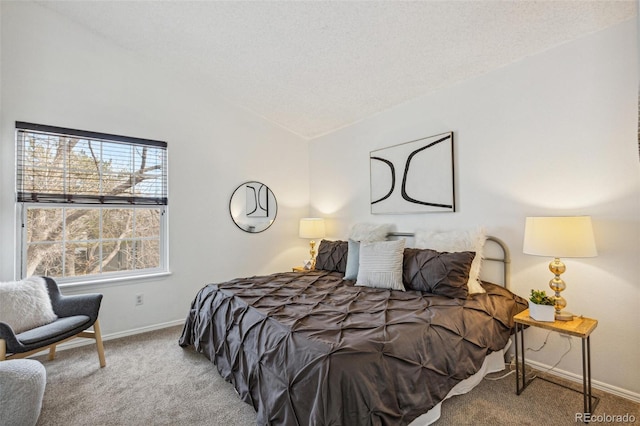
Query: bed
point(311, 348)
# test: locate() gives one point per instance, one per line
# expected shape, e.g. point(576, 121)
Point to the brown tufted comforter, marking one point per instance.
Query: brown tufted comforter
point(312, 349)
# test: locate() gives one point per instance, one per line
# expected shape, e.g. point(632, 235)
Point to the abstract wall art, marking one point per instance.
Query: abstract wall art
point(413, 177)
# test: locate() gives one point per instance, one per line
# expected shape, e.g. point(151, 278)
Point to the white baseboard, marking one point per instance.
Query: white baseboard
point(143, 329)
point(614, 390)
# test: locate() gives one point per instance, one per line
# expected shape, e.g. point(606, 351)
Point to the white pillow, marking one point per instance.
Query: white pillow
point(455, 241)
point(369, 232)
point(25, 304)
point(381, 264)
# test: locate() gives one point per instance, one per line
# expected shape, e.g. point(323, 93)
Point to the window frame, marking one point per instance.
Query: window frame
point(101, 277)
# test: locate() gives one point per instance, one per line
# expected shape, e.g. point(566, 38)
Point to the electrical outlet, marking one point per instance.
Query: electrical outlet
point(139, 299)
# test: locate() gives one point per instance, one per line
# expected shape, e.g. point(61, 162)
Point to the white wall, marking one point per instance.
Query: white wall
point(54, 72)
point(553, 134)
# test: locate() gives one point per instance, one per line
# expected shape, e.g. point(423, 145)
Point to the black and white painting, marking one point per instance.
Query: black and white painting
point(413, 177)
point(257, 200)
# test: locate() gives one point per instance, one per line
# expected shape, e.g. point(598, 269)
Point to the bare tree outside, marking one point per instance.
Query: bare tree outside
point(78, 237)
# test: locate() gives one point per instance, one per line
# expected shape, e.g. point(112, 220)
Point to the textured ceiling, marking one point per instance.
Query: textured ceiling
point(313, 67)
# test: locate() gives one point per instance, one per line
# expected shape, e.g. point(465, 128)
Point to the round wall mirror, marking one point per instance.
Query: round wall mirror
point(253, 207)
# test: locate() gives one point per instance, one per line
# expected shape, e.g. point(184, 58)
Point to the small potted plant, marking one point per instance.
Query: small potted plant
point(542, 306)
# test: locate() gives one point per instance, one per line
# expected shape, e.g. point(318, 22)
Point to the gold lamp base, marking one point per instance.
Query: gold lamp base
point(313, 253)
point(557, 284)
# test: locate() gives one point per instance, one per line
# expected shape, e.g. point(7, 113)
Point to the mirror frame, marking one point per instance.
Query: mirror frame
point(237, 194)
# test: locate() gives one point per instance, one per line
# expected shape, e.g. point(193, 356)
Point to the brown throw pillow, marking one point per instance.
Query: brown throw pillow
point(445, 274)
point(332, 256)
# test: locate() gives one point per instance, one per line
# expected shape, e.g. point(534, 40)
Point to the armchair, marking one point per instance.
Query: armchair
point(75, 315)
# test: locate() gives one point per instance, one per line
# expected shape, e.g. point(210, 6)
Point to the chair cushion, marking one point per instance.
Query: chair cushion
point(25, 304)
point(53, 329)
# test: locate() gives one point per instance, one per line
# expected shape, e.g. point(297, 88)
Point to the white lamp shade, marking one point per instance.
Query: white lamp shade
point(564, 236)
point(312, 227)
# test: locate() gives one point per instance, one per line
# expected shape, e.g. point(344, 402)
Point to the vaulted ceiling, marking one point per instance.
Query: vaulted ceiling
point(315, 66)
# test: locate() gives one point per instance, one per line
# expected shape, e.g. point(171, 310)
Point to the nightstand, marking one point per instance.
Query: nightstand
point(299, 269)
point(580, 327)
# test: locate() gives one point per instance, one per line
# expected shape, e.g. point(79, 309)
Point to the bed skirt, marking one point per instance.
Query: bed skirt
point(493, 363)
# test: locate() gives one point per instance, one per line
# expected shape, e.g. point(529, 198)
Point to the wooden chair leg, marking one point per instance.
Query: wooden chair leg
point(98, 337)
point(52, 352)
point(3, 350)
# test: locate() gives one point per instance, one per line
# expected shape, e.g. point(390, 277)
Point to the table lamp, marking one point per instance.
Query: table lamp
point(565, 236)
point(312, 227)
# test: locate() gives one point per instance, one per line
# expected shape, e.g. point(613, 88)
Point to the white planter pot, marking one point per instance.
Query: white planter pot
point(544, 313)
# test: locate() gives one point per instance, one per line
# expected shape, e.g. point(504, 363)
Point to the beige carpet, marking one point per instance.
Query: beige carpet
point(151, 380)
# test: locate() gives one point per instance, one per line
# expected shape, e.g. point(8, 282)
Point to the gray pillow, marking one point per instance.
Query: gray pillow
point(445, 274)
point(353, 260)
point(332, 256)
point(455, 241)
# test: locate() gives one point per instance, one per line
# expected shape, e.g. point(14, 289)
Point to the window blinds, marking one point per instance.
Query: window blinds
point(58, 165)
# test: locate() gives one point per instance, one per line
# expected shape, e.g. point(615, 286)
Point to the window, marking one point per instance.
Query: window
point(92, 205)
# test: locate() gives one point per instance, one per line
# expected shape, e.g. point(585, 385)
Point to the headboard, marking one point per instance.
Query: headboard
point(495, 251)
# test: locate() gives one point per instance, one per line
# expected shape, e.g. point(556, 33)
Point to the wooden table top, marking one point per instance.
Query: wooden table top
point(579, 326)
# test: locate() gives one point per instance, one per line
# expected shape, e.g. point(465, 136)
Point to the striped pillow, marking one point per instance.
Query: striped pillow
point(381, 264)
